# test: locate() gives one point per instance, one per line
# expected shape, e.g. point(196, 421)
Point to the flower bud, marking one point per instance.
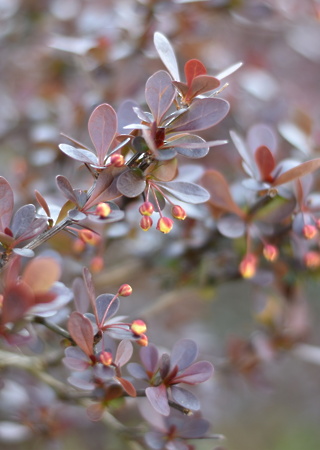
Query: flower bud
point(178, 212)
point(143, 341)
point(312, 259)
point(165, 225)
point(105, 358)
point(146, 209)
point(248, 266)
point(125, 290)
point(270, 252)
point(89, 237)
point(117, 160)
point(103, 210)
point(79, 245)
point(96, 264)
point(309, 231)
point(138, 327)
point(146, 223)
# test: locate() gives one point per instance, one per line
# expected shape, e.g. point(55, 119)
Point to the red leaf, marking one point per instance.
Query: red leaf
point(192, 69)
point(265, 162)
point(81, 331)
point(297, 172)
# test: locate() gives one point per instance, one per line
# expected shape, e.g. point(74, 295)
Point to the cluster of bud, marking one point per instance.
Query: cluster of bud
point(164, 224)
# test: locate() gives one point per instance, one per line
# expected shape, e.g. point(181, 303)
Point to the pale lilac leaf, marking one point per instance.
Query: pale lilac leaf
point(35, 228)
point(6, 203)
point(185, 398)
point(202, 114)
point(150, 358)
point(137, 371)
point(126, 114)
point(95, 412)
point(159, 94)
point(79, 154)
point(197, 373)
point(183, 353)
point(81, 331)
point(22, 219)
point(262, 135)
point(102, 127)
point(81, 298)
point(76, 364)
point(194, 428)
point(107, 305)
point(154, 439)
point(247, 156)
point(186, 192)
point(124, 353)
point(158, 398)
point(26, 252)
point(185, 145)
point(167, 55)
point(230, 70)
point(131, 184)
point(231, 226)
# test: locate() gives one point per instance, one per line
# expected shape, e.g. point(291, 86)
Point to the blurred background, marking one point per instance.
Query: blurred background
point(61, 58)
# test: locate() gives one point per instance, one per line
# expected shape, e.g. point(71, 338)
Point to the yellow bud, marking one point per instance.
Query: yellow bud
point(138, 327)
point(165, 225)
point(143, 341)
point(178, 212)
point(309, 231)
point(248, 266)
point(270, 252)
point(125, 290)
point(106, 358)
point(103, 210)
point(146, 209)
point(117, 160)
point(146, 223)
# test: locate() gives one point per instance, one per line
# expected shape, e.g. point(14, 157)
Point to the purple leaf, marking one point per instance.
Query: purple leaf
point(18, 298)
point(159, 94)
point(247, 157)
point(194, 428)
point(66, 188)
point(185, 398)
point(107, 305)
point(22, 220)
point(126, 114)
point(186, 192)
point(183, 353)
point(81, 298)
point(158, 398)
point(154, 439)
point(296, 172)
point(131, 184)
point(197, 373)
point(76, 216)
point(137, 371)
point(184, 144)
point(120, 333)
point(124, 353)
point(6, 203)
point(81, 331)
point(166, 53)
point(102, 127)
point(82, 380)
point(202, 114)
point(79, 154)
point(231, 226)
point(76, 364)
point(35, 228)
point(150, 358)
point(261, 135)
point(105, 188)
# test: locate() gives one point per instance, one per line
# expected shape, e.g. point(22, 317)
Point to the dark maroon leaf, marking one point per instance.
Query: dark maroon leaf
point(265, 162)
point(6, 203)
point(166, 54)
point(107, 306)
point(81, 331)
point(202, 114)
point(164, 365)
point(79, 154)
point(159, 94)
point(182, 87)
point(197, 373)
point(18, 298)
point(66, 188)
point(158, 398)
point(185, 398)
point(131, 184)
point(124, 353)
point(150, 358)
point(183, 353)
point(102, 127)
point(186, 192)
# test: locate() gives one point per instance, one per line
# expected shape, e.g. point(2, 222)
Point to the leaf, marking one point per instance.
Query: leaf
point(194, 428)
point(166, 171)
point(128, 387)
point(124, 353)
point(192, 69)
point(126, 114)
point(185, 398)
point(261, 135)
point(41, 273)
point(184, 144)
point(81, 298)
point(230, 70)
point(26, 252)
point(17, 299)
point(186, 192)
point(202, 114)
point(102, 127)
point(81, 331)
point(296, 172)
point(36, 227)
point(150, 358)
point(22, 220)
point(137, 371)
point(197, 373)
point(79, 154)
point(107, 305)
point(42, 202)
point(166, 53)
point(220, 195)
point(76, 216)
point(6, 204)
point(183, 353)
point(158, 398)
point(66, 188)
point(105, 188)
point(87, 277)
point(245, 154)
point(131, 184)
point(159, 94)
point(231, 226)
point(202, 84)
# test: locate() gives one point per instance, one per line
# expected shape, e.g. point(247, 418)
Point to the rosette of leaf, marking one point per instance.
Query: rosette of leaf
point(258, 153)
point(36, 292)
point(168, 134)
point(81, 205)
point(19, 227)
point(165, 373)
point(102, 126)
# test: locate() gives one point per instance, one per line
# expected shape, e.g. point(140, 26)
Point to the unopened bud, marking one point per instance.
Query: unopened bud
point(89, 237)
point(96, 264)
point(79, 245)
point(117, 160)
point(138, 327)
point(309, 231)
point(248, 266)
point(312, 259)
point(165, 225)
point(178, 212)
point(125, 290)
point(146, 223)
point(146, 209)
point(143, 340)
point(105, 358)
point(103, 210)
point(270, 252)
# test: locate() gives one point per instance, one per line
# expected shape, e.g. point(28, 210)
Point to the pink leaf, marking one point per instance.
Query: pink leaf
point(201, 84)
point(196, 373)
point(297, 172)
point(81, 331)
point(128, 387)
point(158, 398)
point(124, 353)
point(103, 124)
point(192, 69)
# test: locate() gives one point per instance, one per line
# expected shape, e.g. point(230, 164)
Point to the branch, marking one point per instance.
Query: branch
point(53, 327)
